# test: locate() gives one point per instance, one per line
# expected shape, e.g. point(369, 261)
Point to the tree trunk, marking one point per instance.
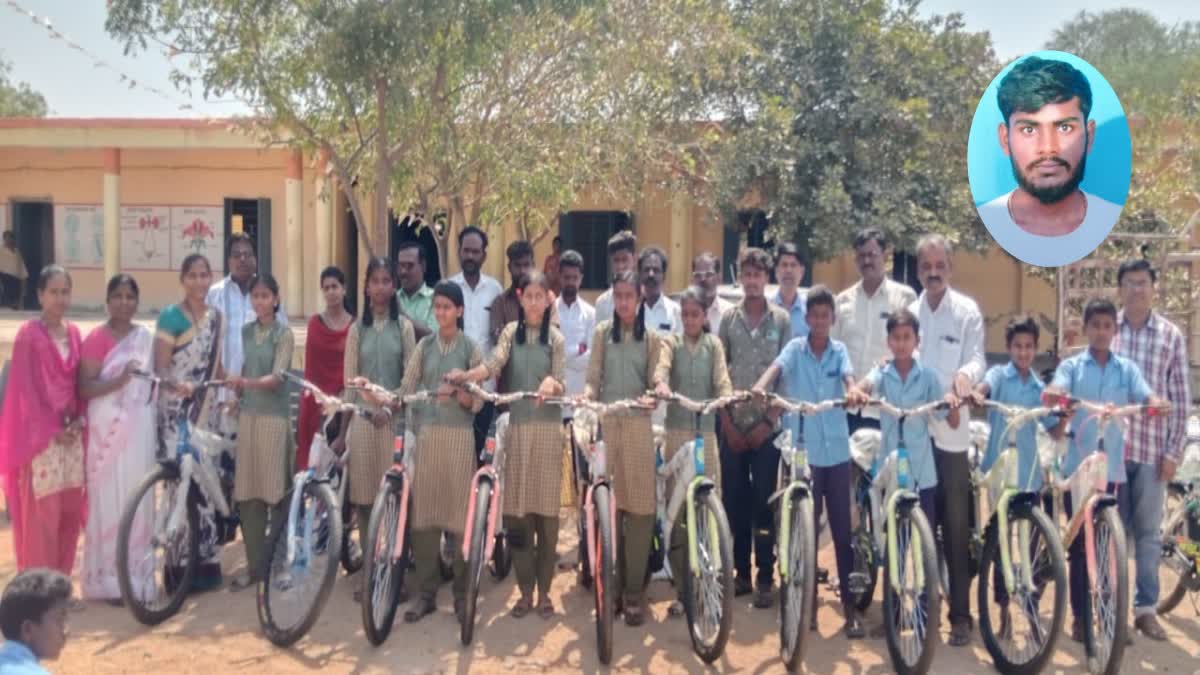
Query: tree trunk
point(380, 221)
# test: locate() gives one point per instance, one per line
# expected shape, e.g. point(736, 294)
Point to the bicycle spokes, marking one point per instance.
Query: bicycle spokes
point(1103, 593)
point(912, 620)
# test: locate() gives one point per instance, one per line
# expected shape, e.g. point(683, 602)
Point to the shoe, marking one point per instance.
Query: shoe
point(675, 609)
point(1150, 627)
point(422, 607)
point(634, 616)
point(764, 596)
point(242, 583)
point(854, 627)
point(742, 586)
point(822, 575)
point(522, 608)
point(960, 634)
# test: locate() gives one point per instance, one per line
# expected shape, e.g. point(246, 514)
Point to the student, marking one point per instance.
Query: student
point(445, 453)
point(1096, 374)
point(817, 369)
point(531, 355)
point(691, 364)
point(33, 618)
point(264, 441)
point(622, 257)
point(624, 354)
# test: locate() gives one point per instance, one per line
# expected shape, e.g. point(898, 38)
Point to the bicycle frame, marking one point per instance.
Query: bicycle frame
point(492, 470)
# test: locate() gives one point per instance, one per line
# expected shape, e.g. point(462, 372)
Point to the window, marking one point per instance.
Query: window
point(587, 233)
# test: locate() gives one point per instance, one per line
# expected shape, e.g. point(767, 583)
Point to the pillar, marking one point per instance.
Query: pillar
point(323, 208)
point(294, 224)
point(679, 271)
point(112, 212)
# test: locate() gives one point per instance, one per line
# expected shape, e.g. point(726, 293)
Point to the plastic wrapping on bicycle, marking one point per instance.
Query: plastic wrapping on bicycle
point(1016, 417)
point(391, 398)
point(602, 409)
point(198, 387)
point(482, 394)
point(1106, 411)
point(919, 411)
point(328, 403)
point(707, 406)
point(806, 408)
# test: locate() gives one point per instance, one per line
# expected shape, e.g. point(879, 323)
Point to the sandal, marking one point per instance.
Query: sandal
point(421, 608)
point(546, 609)
point(522, 608)
point(242, 583)
point(675, 609)
point(634, 616)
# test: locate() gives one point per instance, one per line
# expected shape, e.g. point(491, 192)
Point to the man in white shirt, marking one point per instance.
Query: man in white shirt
point(662, 313)
point(862, 312)
point(622, 256)
point(706, 275)
point(577, 320)
point(479, 292)
point(952, 336)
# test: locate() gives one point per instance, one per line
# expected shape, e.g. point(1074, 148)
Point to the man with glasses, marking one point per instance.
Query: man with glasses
point(706, 275)
point(231, 295)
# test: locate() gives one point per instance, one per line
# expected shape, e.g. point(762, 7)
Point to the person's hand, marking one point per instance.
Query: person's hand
point(236, 382)
point(647, 401)
point(338, 447)
point(381, 418)
point(662, 390)
point(359, 382)
point(856, 398)
point(456, 376)
point(1166, 470)
point(129, 371)
point(1161, 405)
point(962, 385)
point(953, 400)
point(464, 398)
point(976, 398)
point(759, 392)
point(953, 419)
point(547, 389)
point(183, 389)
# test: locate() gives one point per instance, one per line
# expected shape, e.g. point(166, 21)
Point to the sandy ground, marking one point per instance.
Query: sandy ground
point(218, 633)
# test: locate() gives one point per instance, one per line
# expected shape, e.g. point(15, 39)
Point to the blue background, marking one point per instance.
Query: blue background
point(1109, 165)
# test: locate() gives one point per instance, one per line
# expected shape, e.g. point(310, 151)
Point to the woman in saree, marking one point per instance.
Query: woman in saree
point(187, 351)
point(324, 365)
point(120, 438)
point(41, 433)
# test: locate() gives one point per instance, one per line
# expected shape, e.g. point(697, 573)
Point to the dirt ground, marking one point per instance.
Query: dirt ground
point(218, 633)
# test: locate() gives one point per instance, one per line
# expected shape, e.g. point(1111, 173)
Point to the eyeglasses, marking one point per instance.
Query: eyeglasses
point(703, 276)
point(1137, 284)
point(243, 255)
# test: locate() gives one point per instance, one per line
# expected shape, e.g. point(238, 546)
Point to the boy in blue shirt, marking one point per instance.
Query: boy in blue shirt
point(33, 618)
point(1096, 374)
point(816, 368)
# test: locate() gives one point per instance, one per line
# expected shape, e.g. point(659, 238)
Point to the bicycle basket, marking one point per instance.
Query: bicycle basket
point(864, 448)
point(1189, 468)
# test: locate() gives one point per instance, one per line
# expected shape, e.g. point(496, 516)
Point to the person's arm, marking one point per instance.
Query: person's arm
point(1180, 398)
point(412, 370)
point(661, 380)
point(722, 383)
point(786, 360)
point(465, 398)
point(554, 384)
point(595, 371)
point(493, 364)
point(91, 385)
point(496, 321)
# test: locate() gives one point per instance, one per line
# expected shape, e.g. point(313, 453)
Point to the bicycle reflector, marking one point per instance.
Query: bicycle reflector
point(398, 449)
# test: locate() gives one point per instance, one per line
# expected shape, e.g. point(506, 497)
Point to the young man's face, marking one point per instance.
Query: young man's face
point(620, 262)
point(520, 268)
point(820, 320)
point(903, 341)
point(1021, 350)
point(1099, 331)
point(753, 280)
point(789, 271)
point(569, 279)
point(1048, 149)
point(47, 637)
point(1137, 291)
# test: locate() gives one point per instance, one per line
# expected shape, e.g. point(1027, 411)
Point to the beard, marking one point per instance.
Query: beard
point(1051, 194)
point(470, 267)
point(569, 294)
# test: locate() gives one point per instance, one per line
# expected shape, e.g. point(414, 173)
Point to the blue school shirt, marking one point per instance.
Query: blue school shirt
point(17, 659)
point(807, 378)
point(1120, 382)
point(921, 387)
point(796, 313)
point(1007, 387)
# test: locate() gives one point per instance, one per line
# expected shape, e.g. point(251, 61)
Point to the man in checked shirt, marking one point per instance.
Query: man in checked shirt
point(1153, 445)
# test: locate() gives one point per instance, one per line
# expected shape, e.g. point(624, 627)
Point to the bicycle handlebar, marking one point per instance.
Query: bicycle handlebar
point(806, 408)
point(704, 407)
point(919, 411)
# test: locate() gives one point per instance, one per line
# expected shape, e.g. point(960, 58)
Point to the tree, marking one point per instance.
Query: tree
point(849, 114)
point(18, 99)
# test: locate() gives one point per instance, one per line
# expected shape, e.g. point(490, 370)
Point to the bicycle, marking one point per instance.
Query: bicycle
point(599, 512)
point(1179, 567)
point(311, 530)
point(911, 606)
point(708, 581)
point(174, 490)
point(1095, 518)
point(796, 548)
point(1022, 544)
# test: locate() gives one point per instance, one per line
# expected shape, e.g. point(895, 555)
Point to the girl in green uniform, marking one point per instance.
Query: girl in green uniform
point(531, 355)
point(264, 442)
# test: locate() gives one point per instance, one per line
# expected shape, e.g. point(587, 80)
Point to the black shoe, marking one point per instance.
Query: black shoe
point(742, 586)
point(854, 627)
point(764, 596)
point(960, 634)
point(822, 575)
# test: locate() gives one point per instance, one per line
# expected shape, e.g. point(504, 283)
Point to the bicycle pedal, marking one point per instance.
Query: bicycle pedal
point(857, 583)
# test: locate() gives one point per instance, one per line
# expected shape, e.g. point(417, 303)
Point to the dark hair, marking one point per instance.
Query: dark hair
point(652, 252)
point(788, 248)
point(268, 282)
point(51, 271)
point(8, 234)
point(1136, 265)
point(639, 323)
point(622, 241)
point(693, 294)
point(868, 234)
point(570, 258)
point(903, 317)
point(471, 229)
point(1099, 306)
point(534, 277)
point(1035, 82)
point(373, 266)
point(239, 237)
point(707, 256)
point(29, 596)
point(754, 257)
point(333, 272)
point(819, 295)
point(192, 260)
point(557, 240)
point(450, 291)
point(120, 280)
point(519, 249)
point(1021, 323)
point(410, 244)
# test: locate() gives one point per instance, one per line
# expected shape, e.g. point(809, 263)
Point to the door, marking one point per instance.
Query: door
point(256, 222)
point(587, 233)
point(33, 226)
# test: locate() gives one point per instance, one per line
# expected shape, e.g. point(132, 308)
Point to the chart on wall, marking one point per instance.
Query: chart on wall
point(198, 229)
point(145, 237)
point(79, 235)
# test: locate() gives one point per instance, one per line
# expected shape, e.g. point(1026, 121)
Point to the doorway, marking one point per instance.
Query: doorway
point(33, 226)
point(256, 223)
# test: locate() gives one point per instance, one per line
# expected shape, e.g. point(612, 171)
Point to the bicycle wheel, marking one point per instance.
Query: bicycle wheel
point(352, 554)
point(292, 595)
point(501, 563)
point(708, 599)
point(1108, 595)
point(911, 612)
point(865, 573)
point(585, 534)
point(1036, 607)
point(798, 595)
point(1176, 573)
point(383, 573)
point(155, 566)
point(604, 577)
point(475, 562)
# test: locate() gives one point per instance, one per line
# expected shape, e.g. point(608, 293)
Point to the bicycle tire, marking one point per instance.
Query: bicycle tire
point(920, 529)
point(585, 563)
point(352, 552)
point(604, 578)
point(379, 613)
point(1043, 531)
point(320, 498)
point(794, 617)
point(175, 587)
point(501, 563)
point(708, 503)
point(1169, 598)
point(862, 544)
point(475, 562)
point(1106, 518)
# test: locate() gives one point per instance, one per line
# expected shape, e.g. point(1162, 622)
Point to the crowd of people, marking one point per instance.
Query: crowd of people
point(76, 433)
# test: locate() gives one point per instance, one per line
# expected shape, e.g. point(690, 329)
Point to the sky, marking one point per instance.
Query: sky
point(75, 87)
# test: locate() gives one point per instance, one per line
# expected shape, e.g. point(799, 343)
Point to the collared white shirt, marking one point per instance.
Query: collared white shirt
point(12, 263)
point(664, 316)
point(477, 303)
point(227, 296)
point(577, 321)
point(604, 306)
point(951, 343)
point(862, 324)
point(715, 311)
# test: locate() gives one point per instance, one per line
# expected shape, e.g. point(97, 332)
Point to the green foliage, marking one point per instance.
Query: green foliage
point(18, 99)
